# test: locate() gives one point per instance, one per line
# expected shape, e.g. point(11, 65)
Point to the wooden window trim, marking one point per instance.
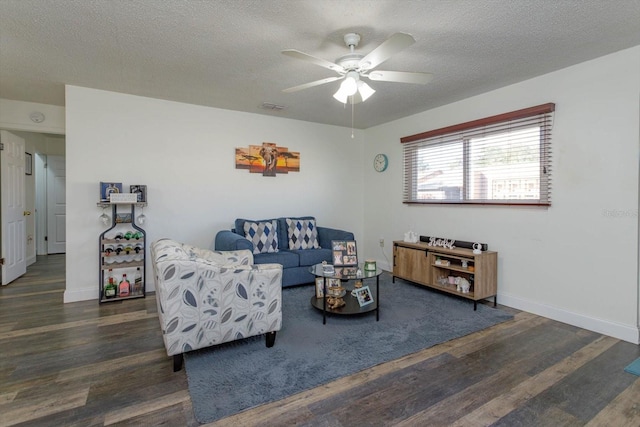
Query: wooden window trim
point(513, 115)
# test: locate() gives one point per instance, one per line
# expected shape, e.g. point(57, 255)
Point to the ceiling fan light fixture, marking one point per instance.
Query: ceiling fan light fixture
point(348, 87)
point(365, 90)
point(350, 83)
point(341, 96)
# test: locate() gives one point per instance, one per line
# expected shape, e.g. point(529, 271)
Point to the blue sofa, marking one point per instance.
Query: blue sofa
point(295, 262)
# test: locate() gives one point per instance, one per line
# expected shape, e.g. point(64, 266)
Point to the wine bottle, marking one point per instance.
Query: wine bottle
point(137, 282)
point(119, 236)
point(124, 287)
point(128, 249)
point(110, 286)
point(128, 235)
point(119, 248)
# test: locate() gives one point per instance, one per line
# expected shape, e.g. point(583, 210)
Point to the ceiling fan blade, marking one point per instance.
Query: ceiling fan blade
point(400, 77)
point(388, 48)
point(318, 61)
point(312, 84)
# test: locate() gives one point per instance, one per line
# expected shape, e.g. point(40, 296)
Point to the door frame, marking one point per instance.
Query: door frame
point(40, 161)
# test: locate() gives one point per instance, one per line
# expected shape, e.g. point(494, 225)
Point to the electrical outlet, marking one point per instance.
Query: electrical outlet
point(382, 243)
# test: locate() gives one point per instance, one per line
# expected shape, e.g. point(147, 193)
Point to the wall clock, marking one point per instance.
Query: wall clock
point(380, 162)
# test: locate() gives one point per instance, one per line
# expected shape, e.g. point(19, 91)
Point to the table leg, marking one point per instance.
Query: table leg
point(377, 298)
point(324, 300)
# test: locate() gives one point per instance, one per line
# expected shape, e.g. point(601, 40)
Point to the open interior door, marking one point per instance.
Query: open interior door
point(56, 205)
point(12, 207)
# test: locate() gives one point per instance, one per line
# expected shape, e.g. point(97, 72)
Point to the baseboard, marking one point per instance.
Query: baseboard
point(620, 331)
point(385, 266)
point(84, 294)
point(87, 294)
point(31, 260)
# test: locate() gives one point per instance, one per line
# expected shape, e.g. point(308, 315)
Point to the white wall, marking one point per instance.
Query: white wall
point(185, 154)
point(14, 115)
point(576, 261)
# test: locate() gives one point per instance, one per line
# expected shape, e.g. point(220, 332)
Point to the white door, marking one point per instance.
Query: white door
point(12, 204)
point(56, 205)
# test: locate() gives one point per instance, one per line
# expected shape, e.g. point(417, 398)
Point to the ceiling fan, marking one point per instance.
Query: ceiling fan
point(352, 67)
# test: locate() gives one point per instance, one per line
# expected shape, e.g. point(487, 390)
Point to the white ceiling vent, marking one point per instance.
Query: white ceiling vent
point(272, 107)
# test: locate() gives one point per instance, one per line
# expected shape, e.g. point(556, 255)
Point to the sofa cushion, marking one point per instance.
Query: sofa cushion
point(286, 258)
point(302, 234)
point(263, 235)
point(310, 257)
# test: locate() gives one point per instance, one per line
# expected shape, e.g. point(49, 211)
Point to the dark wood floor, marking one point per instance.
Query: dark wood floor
point(84, 364)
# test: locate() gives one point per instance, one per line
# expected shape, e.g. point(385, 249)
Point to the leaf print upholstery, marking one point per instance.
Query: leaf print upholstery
point(207, 297)
point(241, 291)
point(189, 299)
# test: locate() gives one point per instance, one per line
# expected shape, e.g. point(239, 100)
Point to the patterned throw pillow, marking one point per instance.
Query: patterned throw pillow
point(263, 235)
point(302, 233)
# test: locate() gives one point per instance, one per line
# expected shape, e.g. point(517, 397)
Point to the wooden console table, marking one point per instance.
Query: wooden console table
point(430, 265)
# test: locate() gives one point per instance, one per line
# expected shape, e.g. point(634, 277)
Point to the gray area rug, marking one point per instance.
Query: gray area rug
point(232, 377)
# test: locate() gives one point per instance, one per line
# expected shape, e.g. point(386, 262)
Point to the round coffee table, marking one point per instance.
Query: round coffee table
point(347, 277)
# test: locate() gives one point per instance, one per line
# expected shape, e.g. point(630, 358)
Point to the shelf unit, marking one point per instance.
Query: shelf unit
point(128, 261)
point(431, 266)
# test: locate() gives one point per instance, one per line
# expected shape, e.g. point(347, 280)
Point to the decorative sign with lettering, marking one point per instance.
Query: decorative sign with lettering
point(444, 243)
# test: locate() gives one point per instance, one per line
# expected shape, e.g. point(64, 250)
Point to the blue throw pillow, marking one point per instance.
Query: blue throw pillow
point(263, 235)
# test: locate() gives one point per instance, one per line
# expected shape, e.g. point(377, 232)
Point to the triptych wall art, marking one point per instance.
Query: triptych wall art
point(267, 159)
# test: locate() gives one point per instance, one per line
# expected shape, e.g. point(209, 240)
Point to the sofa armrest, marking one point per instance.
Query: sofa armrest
point(326, 235)
point(227, 240)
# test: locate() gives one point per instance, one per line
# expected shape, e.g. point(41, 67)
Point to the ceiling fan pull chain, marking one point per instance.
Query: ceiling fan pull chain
point(353, 109)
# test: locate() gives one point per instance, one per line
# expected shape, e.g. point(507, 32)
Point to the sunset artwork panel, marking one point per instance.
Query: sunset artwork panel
point(267, 159)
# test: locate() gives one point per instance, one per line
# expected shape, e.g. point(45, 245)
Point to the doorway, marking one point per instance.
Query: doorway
point(46, 150)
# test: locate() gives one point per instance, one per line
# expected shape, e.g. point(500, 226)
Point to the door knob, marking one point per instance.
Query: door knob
point(25, 213)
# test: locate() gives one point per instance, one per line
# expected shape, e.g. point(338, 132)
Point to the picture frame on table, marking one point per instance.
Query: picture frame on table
point(141, 191)
point(364, 296)
point(332, 283)
point(319, 287)
point(344, 253)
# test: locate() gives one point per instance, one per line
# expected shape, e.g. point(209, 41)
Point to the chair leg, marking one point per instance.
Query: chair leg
point(271, 338)
point(177, 362)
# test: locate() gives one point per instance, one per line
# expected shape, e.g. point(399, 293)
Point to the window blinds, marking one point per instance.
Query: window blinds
point(503, 159)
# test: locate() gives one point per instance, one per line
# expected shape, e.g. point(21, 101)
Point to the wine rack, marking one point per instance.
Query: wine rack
point(122, 251)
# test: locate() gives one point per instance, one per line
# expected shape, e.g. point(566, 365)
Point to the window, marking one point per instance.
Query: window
point(504, 159)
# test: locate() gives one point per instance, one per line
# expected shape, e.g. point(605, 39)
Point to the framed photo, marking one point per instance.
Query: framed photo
point(364, 296)
point(108, 188)
point(141, 191)
point(344, 252)
point(28, 164)
point(319, 287)
point(332, 283)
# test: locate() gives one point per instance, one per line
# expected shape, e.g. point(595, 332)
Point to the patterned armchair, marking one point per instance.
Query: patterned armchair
point(208, 297)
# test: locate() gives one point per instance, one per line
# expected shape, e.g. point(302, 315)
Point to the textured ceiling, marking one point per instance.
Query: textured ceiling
point(226, 53)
